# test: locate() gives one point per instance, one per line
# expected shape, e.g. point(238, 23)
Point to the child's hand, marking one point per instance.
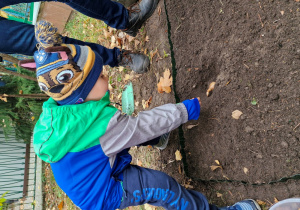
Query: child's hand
point(198, 100)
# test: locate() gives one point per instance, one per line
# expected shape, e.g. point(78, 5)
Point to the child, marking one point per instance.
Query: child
point(86, 140)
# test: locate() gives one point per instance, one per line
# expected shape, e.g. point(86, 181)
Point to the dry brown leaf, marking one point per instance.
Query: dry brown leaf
point(147, 103)
point(178, 155)
point(236, 114)
point(152, 54)
point(147, 39)
point(282, 12)
point(120, 42)
point(219, 195)
point(139, 163)
point(191, 126)
point(136, 103)
point(179, 169)
point(276, 200)
point(159, 11)
point(3, 98)
point(215, 167)
point(246, 170)
point(130, 38)
point(217, 162)
point(261, 203)
point(106, 34)
point(211, 87)
point(165, 82)
point(136, 43)
point(20, 91)
point(127, 77)
point(188, 186)
point(61, 205)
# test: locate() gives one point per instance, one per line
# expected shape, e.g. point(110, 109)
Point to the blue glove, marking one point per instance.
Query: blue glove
point(193, 108)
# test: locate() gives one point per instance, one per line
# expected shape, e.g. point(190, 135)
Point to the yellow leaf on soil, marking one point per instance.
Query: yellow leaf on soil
point(211, 87)
point(217, 162)
point(127, 77)
point(236, 114)
point(261, 203)
point(215, 167)
point(165, 82)
point(246, 170)
point(191, 126)
point(276, 200)
point(178, 155)
point(219, 195)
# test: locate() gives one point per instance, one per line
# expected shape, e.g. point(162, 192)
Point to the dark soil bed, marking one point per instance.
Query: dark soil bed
point(251, 49)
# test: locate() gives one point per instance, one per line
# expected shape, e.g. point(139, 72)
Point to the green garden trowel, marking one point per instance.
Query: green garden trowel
point(128, 99)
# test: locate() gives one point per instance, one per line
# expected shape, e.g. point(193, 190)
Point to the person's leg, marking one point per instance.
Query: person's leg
point(19, 38)
point(112, 13)
point(143, 185)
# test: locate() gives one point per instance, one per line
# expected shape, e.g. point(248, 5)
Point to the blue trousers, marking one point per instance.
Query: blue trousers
point(19, 38)
point(112, 13)
point(142, 185)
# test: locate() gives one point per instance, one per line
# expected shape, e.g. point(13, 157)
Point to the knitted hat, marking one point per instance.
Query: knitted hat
point(67, 73)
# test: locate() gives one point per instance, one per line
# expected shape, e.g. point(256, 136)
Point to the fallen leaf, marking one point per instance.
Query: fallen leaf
point(211, 87)
point(144, 104)
point(178, 155)
point(136, 43)
point(188, 186)
point(219, 195)
point(165, 82)
point(127, 77)
point(32, 118)
point(282, 12)
point(261, 203)
point(119, 41)
point(147, 103)
point(139, 163)
point(215, 167)
point(159, 11)
point(217, 162)
point(152, 54)
point(147, 39)
point(20, 91)
point(113, 39)
point(191, 126)
point(136, 103)
point(179, 169)
point(61, 205)
point(276, 200)
point(121, 68)
point(149, 207)
point(130, 38)
point(236, 114)
point(246, 170)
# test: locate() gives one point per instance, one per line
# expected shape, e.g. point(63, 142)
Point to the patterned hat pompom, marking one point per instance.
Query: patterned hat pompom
point(46, 34)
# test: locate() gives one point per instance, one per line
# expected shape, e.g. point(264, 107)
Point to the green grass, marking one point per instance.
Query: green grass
point(84, 28)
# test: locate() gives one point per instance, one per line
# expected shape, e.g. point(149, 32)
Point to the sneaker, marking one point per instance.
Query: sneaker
point(163, 141)
point(247, 204)
point(137, 62)
point(138, 14)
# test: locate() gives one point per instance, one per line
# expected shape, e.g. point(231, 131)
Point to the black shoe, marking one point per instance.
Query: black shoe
point(138, 14)
point(137, 62)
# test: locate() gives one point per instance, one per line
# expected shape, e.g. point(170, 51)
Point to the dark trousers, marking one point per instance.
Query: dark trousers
point(142, 185)
point(112, 13)
point(19, 38)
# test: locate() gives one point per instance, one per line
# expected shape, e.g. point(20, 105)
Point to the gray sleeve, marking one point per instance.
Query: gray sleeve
point(125, 131)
